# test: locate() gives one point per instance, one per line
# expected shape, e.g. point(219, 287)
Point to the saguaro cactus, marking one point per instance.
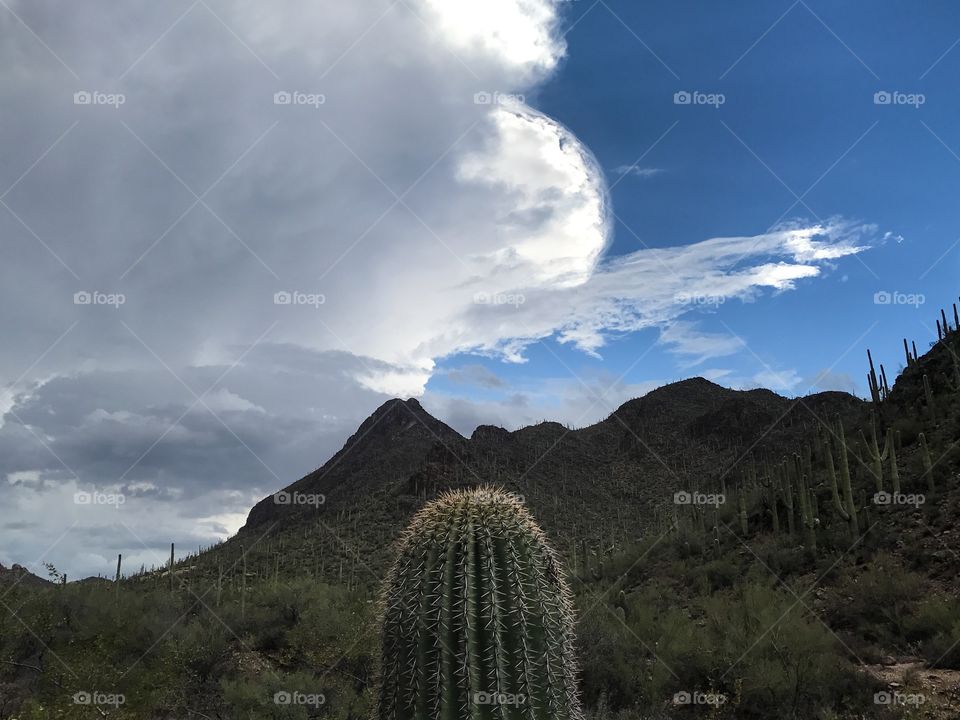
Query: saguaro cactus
point(787, 491)
point(477, 618)
point(928, 396)
point(844, 504)
point(893, 440)
point(742, 513)
point(806, 498)
point(927, 463)
point(877, 458)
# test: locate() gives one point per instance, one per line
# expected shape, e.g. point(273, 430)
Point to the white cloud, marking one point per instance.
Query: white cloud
point(476, 375)
point(574, 401)
point(399, 199)
point(556, 224)
point(782, 381)
point(683, 338)
point(829, 380)
point(641, 172)
point(518, 32)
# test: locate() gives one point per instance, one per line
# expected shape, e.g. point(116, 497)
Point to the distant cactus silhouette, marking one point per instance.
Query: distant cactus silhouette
point(477, 618)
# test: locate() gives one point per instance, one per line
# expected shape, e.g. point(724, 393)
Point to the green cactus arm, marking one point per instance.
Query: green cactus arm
point(876, 461)
point(894, 470)
point(927, 463)
point(832, 476)
point(847, 485)
point(928, 395)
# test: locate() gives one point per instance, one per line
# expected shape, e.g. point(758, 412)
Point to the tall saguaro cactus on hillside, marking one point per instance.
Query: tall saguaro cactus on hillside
point(477, 619)
point(877, 458)
point(843, 502)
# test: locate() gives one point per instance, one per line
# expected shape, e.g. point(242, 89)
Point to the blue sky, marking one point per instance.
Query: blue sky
point(798, 136)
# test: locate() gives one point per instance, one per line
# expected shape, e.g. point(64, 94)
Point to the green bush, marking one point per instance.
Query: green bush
point(880, 600)
point(758, 646)
point(936, 627)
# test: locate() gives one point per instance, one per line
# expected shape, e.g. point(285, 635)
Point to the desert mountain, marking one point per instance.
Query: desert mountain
point(608, 480)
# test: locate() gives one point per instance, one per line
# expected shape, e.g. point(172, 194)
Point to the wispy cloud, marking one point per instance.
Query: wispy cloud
point(696, 346)
point(636, 171)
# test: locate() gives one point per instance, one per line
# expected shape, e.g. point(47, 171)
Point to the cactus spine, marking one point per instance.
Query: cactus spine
point(475, 607)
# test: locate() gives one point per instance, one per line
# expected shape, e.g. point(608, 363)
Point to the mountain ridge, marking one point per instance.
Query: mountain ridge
point(681, 435)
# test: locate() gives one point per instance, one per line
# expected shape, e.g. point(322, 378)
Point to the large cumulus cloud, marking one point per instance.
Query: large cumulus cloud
point(378, 164)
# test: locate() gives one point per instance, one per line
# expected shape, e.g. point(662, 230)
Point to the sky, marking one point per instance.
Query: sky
point(230, 231)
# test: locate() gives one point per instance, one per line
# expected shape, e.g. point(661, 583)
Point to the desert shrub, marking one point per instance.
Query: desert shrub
point(714, 575)
point(272, 696)
point(336, 630)
point(630, 565)
point(880, 601)
point(757, 646)
point(784, 558)
point(936, 628)
point(609, 658)
point(909, 428)
point(773, 658)
point(943, 649)
point(199, 647)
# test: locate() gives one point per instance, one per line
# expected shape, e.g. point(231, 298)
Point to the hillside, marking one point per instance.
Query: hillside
point(821, 581)
point(689, 435)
